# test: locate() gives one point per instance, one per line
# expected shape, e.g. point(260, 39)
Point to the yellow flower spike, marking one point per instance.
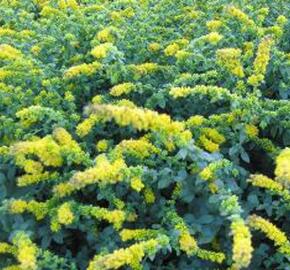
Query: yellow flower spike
point(106, 35)
point(65, 4)
point(145, 68)
point(139, 118)
point(102, 145)
point(251, 130)
point(121, 89)
point(137, 184)
point(17, 206)
point(137, 234)
point(65, 215)
point(208, 144)
point(82, 69)
point(218, 257)
point(171, 49)
point(7, 52)
point(187, 243)
point(131, 256)
point(240, 16)
point(242, 245)
point(230, 59)
point(195, 121)
point(177, 92)
point(102, 50)
point(104, 172)
point(261, 61)
point(26, 251)
point(282, 170)
point(149, 195)
point(263, 181)
point(213, 38)
point(154, 47)
point(272, 232)
point(214, 25)
point(140, 148)
point(213, 135)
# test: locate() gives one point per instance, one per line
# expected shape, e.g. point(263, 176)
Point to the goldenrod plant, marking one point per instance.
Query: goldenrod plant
point(144, 134)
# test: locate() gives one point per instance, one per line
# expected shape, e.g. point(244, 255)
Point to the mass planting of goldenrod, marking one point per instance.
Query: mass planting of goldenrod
point(150, 134)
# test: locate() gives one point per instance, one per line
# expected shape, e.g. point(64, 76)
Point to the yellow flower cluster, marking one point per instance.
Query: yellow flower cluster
point(98, 99)
point(121, 89)
point(26, 251)
point(218, 257)
point(137, 234)
point(65, 4)
point(171, 49)
point(242, 244)
point(213, 91)
point(131, 256)
point(177, 92)
point(240, 16)
point(187, 243)
point(102, 50)
point(5, 74)
point(195, 121)
point(82, 69)
point(8, 52)
point(65, 215)
point(208, 173)
point(230, 59)
point(282, 170)
point(251, 130)
point(263, 181)
point(38, 209)
point(261, 61)
point(211, 139)
point(119, 15)
point(248, 50)
point(106, 35)
point(272, 232)
point(149, 195)
point(69, 147)
point(137, 184)
point(214, 25)
point(102, 145)
point(145, 68)
point(104, 172)
point(154, 47)
point(140, 119)
point(140, 148)
point(48, 152)
point(213, 38)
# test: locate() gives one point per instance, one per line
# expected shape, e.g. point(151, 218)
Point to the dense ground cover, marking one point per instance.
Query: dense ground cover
point(145, 134)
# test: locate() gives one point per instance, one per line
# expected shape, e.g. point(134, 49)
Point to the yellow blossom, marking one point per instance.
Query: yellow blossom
point(82, 69)
point(187, 243)
point(213, 37)
point(282, 170)
point(130, 256)
point(214, 25)
point(17, 206)
point(137, 184)
point(171, 49)
point(102, 50)
point(208, 144)
point(121, 89)
point(8, 52)
point(64, 214)
point(154, 47)
point(242, 244)
point(195, 120)
point(230, 59)
point(145, 68)
point(102, 145)
point(177, 92)
point(261, 61)
point(106, 35)
point(272, 232)
point(149, 195)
